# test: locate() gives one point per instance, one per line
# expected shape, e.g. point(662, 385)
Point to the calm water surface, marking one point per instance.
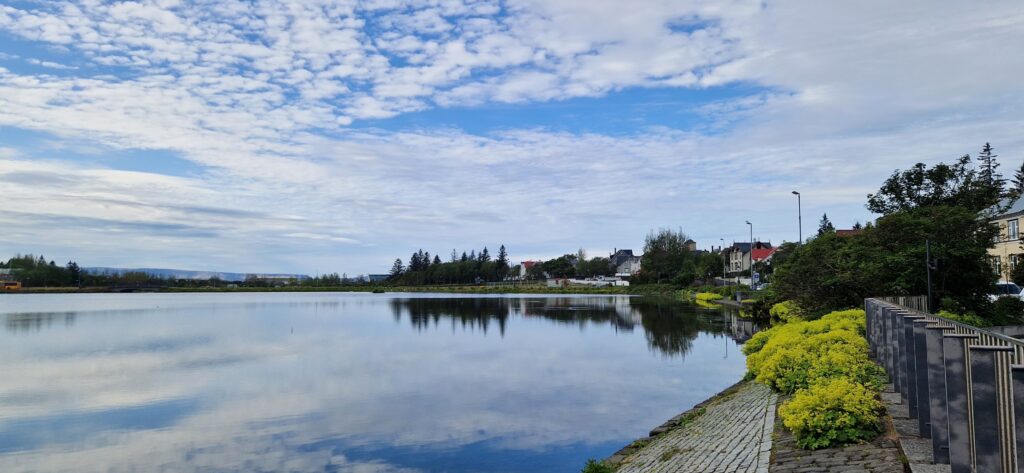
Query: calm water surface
point(322, 382)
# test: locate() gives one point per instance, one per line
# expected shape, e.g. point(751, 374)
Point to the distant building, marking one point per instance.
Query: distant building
point(690, 245)
point(1006, 252)
point(8, 281)
point(625, 262)
point(524, 267)
point(377, 277)
point(738, 255)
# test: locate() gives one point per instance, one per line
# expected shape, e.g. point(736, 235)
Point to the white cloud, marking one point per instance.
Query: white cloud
point(262, 95)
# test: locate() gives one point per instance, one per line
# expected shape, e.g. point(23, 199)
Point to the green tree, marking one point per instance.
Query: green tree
point(956, 185)
point(396, 269)
point(825, 226)
point(988, 167)
point(665, 255)
point(502, 263)
point(74, 274)
point(1017, 183)
point(562, 267)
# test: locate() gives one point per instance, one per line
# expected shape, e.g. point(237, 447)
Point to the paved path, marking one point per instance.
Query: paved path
point(733, 434)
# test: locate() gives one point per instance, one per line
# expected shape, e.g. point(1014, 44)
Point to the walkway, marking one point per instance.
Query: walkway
point(730, 433)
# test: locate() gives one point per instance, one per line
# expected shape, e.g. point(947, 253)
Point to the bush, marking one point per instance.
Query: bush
point(708, 296)
point(825, 364)
point(832, 412)
point(786, 311)
point(968, 318)
point(793, 360)
point(1008, 311)
point(594, 466)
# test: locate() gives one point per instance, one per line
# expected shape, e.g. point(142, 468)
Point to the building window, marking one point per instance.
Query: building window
point(1013, 262)
point(1012, 230)
point(997, 265)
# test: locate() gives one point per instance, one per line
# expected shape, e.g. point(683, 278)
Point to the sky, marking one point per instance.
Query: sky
point(317, 136)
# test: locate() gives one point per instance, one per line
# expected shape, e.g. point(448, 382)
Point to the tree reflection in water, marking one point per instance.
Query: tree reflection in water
point(669, 326)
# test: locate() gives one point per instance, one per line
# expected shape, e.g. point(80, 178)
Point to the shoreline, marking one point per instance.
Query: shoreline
point(468, 289)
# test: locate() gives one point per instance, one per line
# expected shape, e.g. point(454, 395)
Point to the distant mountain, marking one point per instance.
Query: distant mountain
point(188, 274)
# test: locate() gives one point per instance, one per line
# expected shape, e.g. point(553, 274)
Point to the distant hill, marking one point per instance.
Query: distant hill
point(188, 274)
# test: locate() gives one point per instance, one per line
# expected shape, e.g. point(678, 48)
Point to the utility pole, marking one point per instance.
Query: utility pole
point(799, 218)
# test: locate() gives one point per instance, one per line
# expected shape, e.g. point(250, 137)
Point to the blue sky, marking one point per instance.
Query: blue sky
point(321, 136)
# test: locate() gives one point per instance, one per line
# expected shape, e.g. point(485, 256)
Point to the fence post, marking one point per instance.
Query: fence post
point(987, 444)
point(937, 394)
point(908, 357)
point(920, 360)
point(1017, 373)
point(961, 439)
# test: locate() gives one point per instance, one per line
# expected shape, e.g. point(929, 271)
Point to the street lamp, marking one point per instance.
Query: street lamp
point(799, 217)
point(750, 256)
point(721, 252)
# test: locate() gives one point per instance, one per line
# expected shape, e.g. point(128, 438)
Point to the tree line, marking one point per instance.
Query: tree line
point(470, 268)
point(949, 207)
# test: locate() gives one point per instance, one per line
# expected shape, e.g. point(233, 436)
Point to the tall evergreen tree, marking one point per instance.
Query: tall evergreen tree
point(464, 257)
point(396, 269)
point(414, 261)
point(455, 256)
point(502, 262)
point(1017, 183)
point(437, 260)
point(988, 165)
point(426, 260)
point(485, 256)
point(825, 226)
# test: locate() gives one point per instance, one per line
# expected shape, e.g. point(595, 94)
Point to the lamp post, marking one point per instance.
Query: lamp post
point(721, 252)
point(750, 254)
point(799, 217)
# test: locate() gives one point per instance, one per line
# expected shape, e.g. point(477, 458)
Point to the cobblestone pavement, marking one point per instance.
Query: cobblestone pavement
point(732, 434)
point(880, 455)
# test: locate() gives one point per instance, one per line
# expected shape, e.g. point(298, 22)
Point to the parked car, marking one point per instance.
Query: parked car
point(1007, 289)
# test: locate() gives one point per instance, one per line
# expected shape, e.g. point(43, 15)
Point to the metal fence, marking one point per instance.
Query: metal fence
point(964, 385)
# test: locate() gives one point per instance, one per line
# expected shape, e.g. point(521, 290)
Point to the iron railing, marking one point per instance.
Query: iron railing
point(964, 385)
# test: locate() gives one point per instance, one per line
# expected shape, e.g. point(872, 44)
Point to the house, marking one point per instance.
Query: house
point(8, 282)
point(1006, 252)
point(524, 267)
point(738, 256)
point(763, 255)
point(625, 263)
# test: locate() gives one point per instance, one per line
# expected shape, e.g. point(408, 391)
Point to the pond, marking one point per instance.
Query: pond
point(347, 382)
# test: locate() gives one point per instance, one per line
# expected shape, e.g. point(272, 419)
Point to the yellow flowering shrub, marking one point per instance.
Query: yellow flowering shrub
point(825, 364)
point(786, 311)
point(832, 412)
point(708, 296)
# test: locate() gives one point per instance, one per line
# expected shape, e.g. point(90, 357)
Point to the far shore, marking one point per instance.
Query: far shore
point(652, 289)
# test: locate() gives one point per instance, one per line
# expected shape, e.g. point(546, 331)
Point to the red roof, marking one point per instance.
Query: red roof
point(529, 264)
point(761, 254)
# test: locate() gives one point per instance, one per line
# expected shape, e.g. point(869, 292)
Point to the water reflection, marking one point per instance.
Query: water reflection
point(34, 322)
point(330, 382)
point(669, 326)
